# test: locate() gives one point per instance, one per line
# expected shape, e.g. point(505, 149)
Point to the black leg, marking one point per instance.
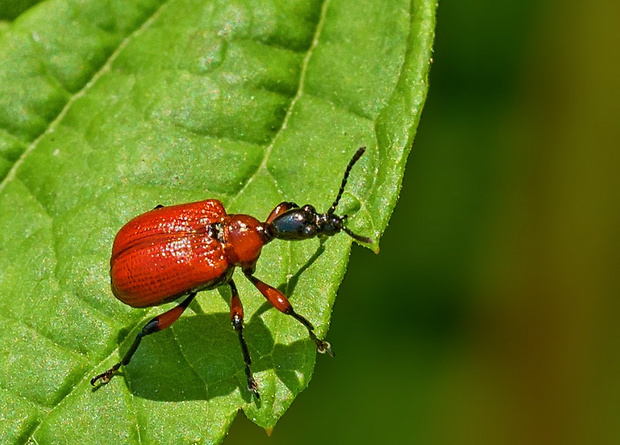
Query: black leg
point(155, 325)
point(321, 345)
point(281, 303)
point(236, 317)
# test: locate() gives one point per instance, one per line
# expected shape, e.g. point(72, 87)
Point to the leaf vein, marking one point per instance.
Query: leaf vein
point(4, 317)
point(134, 411)
point(289, 112)
point(212, 135)
point(341, 107)
point(22, 397)
point(189, 365)
point(96, 76)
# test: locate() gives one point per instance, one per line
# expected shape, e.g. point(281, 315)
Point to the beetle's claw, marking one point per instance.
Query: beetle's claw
point(105, 377)
point(324, 346)
point(253, 387)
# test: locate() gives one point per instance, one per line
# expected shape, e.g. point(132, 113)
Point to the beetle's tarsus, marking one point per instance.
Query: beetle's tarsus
point(321, 345)
point(105, 377)
point(324, 346)
point(253, 387)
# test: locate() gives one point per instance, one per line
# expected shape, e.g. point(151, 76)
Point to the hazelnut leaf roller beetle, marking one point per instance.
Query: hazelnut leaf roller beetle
point(180, 250)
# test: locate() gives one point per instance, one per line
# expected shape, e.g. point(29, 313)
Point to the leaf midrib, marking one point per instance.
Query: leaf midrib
point(289, 112)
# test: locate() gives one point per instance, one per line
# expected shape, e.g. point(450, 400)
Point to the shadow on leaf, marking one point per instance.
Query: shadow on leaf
point(199, 358)
point(289, 287)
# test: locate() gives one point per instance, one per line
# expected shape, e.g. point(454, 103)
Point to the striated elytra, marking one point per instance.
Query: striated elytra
point(180, 250)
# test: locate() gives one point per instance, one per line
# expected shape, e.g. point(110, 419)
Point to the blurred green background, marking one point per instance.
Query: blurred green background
point(491, 314)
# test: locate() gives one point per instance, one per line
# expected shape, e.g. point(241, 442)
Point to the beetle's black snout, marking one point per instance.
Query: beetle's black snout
point(295, 224)
point(304, 223)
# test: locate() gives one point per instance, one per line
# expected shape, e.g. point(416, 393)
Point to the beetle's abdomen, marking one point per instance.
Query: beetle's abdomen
point(152, 273)
point(167, 252)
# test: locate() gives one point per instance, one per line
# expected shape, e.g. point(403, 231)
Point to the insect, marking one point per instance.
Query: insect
point(180, 250)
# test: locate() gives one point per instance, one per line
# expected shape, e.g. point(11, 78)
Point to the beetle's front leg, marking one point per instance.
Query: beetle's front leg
point(236, 316)
point(281, 303)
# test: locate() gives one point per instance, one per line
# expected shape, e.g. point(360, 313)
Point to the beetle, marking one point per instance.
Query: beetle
point(180, 250)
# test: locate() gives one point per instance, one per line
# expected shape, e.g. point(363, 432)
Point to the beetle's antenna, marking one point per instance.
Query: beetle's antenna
point(358, 154)
point(360, 238)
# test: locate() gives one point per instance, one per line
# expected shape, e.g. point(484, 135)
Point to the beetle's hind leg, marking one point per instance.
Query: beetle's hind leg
point(281, 303)
point(157, 324)
point(236, 317)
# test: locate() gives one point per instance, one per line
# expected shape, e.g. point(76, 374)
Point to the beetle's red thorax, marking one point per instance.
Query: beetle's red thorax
point(244, 237)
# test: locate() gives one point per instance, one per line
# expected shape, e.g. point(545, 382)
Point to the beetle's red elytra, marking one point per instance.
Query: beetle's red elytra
point(180, 250)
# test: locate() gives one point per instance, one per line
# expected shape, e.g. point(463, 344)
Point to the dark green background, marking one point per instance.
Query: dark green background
point(491, 314)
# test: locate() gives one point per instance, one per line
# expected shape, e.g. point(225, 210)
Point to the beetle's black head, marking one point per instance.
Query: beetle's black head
point(302, 223)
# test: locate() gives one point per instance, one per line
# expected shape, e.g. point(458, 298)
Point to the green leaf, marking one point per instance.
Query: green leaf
point(110, 108)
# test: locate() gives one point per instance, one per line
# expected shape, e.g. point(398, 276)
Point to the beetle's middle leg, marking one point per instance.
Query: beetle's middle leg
point(281, 303)
point(236, 317)
point(157, 324)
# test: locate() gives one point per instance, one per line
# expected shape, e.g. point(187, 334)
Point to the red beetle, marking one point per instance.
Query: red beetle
point(180, 250)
